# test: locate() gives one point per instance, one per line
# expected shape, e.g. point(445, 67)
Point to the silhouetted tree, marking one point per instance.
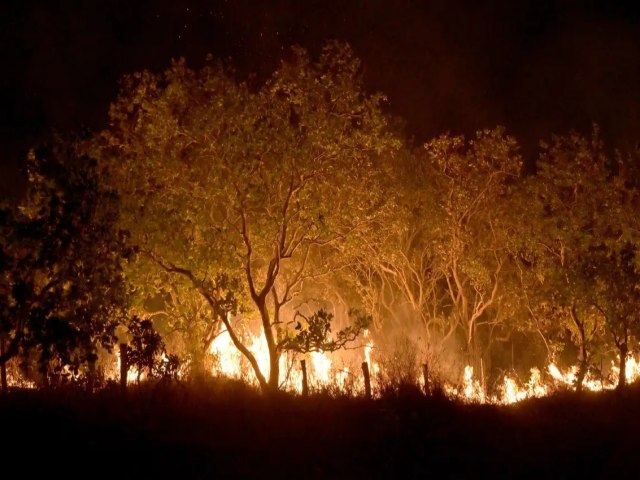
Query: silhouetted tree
point(62, 290)
point(147, 351)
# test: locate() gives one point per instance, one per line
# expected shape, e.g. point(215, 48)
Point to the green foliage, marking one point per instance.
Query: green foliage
point(248, 205)
point(577, 246)
point(271, 187)
point(62, 289)
point(312, 334)
point(475, 180)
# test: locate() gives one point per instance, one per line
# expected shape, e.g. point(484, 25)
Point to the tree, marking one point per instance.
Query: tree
point(616, 296)
point(396, 270)
point(613, 266)
point(147, 351)
point(225, 186)
point(440, 260)
point(475, 178)
point(178, 312)
point(62, 289)
point(568, 201)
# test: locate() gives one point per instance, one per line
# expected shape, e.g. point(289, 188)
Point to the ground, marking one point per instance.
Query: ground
point(224, 430)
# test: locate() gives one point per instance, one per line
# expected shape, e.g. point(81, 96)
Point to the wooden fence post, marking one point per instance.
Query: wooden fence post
point(305, 384)
point(367, 380)
point(124, 366)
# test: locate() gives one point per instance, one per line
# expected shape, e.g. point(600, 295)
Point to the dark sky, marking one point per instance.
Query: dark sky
point(534, 66)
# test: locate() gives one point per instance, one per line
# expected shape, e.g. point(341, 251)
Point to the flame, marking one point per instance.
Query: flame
point(321, 364)
point(230, 362)
point(342, 378)
point(17, 381)
point(511, 392)
point(132, 373)
point(469, 391)
point(569, 379)
point(374, 368)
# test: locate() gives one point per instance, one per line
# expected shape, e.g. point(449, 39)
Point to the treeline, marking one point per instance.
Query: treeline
point(212, 205)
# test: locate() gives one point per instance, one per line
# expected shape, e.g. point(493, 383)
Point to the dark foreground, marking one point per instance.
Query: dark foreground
point(226, 431)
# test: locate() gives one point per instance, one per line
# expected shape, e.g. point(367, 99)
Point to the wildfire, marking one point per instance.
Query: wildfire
point(17, 381)
point(470, 389)
point(373, 366)
point(132, 372)
point(230, 362)
point(323, 373)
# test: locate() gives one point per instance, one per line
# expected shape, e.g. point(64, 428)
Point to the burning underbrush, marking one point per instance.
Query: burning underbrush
point(402, 365)
point(394, 368)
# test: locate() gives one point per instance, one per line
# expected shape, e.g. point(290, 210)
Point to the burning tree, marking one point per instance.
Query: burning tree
point(442, 259)
point(616, 296)
point(573, 236)
point(612, 266)
point(247, 195)
point(472, 243)
point(395, 269)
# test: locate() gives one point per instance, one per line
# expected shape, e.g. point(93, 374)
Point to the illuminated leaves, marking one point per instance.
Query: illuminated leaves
point(474, 179)
point(313, 333)
point(270, 185)
point(578, 229)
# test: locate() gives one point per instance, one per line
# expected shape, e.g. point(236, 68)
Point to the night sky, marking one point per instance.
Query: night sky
point(536, 67)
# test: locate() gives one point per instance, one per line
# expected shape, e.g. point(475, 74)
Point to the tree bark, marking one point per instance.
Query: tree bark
point(124, 366)
point(274, 364)
point(582, 372)
point(12, 350)
point(274, 369)
point(622, 379)
point(582, 352)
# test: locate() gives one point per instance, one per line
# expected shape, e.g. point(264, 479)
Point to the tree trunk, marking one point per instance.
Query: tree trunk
point(582, 372)
point(124, 366)
point(198, 360)
point(274, 358)
point(582, 352)
point(622, 379)
point(274, 371)
point(475, 353)
point(582, 365)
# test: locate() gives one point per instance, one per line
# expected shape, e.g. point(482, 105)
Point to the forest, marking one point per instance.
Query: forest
point(221, 226)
